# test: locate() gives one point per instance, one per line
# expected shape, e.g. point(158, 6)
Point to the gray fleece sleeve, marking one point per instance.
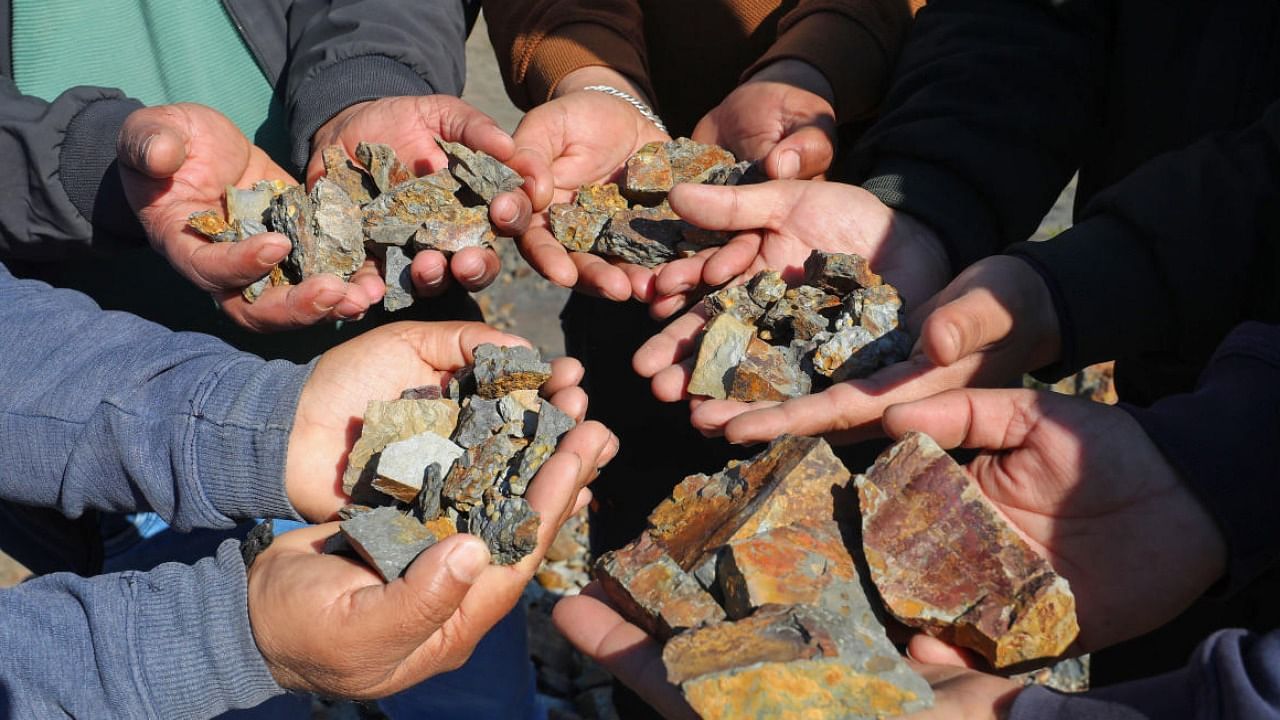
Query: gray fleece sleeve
point(102, 410)
point(174, 642)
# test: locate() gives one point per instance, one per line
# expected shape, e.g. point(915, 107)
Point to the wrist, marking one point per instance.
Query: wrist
point(580, 79)
point(798, 74)
point(328, 133)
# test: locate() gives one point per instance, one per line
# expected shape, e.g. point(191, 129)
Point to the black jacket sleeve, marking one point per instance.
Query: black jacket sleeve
point(349, 51)
point(991, 109)
point(1172, 257)
point(62, 193)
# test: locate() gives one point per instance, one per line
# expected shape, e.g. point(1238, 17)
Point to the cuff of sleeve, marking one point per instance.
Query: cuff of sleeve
point(197, 655)
point(941, 200)
point(88, 171)
point(1041, 703)
point(573, 46)
point(845, 51)
point(1109, 300)
point(1066, 364)
point(240, 438)
point(332, 89)
point(1221, 438)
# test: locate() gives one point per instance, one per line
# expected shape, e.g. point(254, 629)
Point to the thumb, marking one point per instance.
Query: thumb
point(801, 155)
point(745, 207)
point(415, 605)
point(963, 326)
point(153, 141)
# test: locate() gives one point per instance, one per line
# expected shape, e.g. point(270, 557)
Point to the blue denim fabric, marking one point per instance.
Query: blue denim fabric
point(143, 540)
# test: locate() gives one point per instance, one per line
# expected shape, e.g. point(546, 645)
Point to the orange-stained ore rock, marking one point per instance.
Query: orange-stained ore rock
point(651, 590)
point(945, 560)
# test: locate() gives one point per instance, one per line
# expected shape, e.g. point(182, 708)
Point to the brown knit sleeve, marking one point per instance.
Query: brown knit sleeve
point(854, 43)
point(538, 42)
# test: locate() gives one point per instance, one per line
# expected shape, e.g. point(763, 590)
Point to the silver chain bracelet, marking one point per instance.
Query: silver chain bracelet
point(634, 102)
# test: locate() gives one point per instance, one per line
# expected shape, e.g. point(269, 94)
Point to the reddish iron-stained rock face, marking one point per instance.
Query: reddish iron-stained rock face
point(789, 565)
point(768, 373)
point(651, 590)
point(945, 560)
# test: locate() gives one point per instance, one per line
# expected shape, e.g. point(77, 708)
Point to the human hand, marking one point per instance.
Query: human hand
point(1090, 492)
point(993, 323)
point(384, 637)
point(585, 137)
point(410, 125)
point(783, 114)
point(178, 159)
point(965, 694)
point(378, 365)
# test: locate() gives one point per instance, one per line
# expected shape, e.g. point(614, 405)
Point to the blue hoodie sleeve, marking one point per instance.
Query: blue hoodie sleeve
point(174, 642)
point(104, 411)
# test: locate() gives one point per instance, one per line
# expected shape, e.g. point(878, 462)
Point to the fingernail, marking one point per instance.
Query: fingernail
point(269, 255)
point(474, 277)
point(467, 561)
point(789, 164)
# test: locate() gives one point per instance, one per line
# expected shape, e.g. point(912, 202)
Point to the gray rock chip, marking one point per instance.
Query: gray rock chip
point(840, 273)
point(477, 422)
point(499, 370)
point(509, 526)
point(339, 169)
point(427, 504)
point(387, 539)
point(402, 465)
point(645, 236)
point(385, 169)
point(398, 280)
point(736, 301)
point(479, 171)
point(455, 228)
point(723, 346)
point(552, 425)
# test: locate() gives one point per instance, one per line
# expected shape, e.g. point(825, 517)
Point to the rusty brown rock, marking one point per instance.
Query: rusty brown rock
point(484, 466)
point(736, 301)
point(648, 176)
point(789, 565)
point(408, 204)
point(212, 226)
point(768, 373)
point(651, 590)
point(722, 348)
point(339, 169)
point(775, 634)
point(500, 370)
point(600, 199)
point(385, 169)
point(657, 167)
point(945, 560)
point(576, 229)
point(386, 421)
point(455, 228)
point(694, 162)
point(840, 273)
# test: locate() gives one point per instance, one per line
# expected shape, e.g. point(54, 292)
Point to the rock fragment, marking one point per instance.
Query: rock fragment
point(644, 236)
point(946, 561)
point(455, 228)
point(408, 204)
point(500, 370)
point(479, 171)
point(211, 224)
point(339, 169)
point(788, 565)
point(386, 421)
point(723, 347)
point(649, 176)
point(385, 169)
point(650, 589)
point(839, 273)
point(398, 279)
point(387, 539)
point(402, 465)
point(484, 466)
point(507, 525)
point(736, 301)
point(768, 373)
point(552, 424)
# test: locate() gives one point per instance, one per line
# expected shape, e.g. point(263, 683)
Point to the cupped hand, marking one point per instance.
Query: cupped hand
point(586, 137)
point(783, 115)
point(1091, 493)
point(410, 126)
point(992, 324)
point(378, 365)
point(175, 160)
point(384, 637)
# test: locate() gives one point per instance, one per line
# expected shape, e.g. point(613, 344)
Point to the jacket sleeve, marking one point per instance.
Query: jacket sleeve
point(1174, 255)
point(538, 42)
point(174, 642)
point(349, 51)
point(1234, 675)
point(1224, 439)
point(991, 107)
point(104, 411)
point(62, 193)
point(853, 43)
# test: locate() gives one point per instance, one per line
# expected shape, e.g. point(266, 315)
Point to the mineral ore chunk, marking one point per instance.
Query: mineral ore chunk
point(855, 353)
point(768, 373)
point(455, 228)
point(650, 589)
point(789, 565)
point(484, 466)
point(386, 421)
point(552, 425)
point(775, 634)
point(657, 167)
point(248, 209)
point(500, 370)
point(946, 561)
point(507, 525)
point(480, 171)
point(398, 280)
point(385, 169)
point(409, 203)
point(649, 176)
point(478, 420)
point(767, 288)
point(839, 273)
point(644, 236)
point(735, 301)
point(211, 224)
point(693, 162)
point(600, 199)
point(338, 232)
point(402, 465)
point(339, 169)
point(387, 539)
point(723, 346)
point(576, 228)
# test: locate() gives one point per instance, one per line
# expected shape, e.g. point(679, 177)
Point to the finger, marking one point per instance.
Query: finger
point(153, 141)
point(672, 384)
point(546, 255)
point(680, 276)
point(743, 207)
point(430, 273)
point(597, 630)
point(601, 278)
point(355, 302)
point(566, 372)
point(675, 343)
point(286, 307)
point(475, 268)
point(584, 499)
point(510, 213)
point(990, 419)
point(663, 308)
point(369, 279)
point(448, 346)
point(536, 171)
point(963, 326)
point(932, 651)
point(400, 616)
point(804, 154)
point(231, 265)
point(711, 417)
point(732, 260)
point(572, 402)
point(641, 279)
point(478, 131)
